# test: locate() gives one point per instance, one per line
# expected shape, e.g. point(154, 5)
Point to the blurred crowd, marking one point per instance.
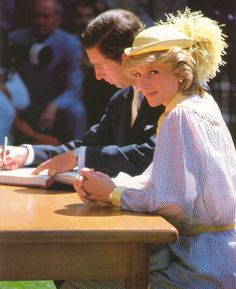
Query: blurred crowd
point(48, 89)
point(58, 90)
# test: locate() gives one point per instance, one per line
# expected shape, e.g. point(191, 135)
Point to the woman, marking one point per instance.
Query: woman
point(192, 182)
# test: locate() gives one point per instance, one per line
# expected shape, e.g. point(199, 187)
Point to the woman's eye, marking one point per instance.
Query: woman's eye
point(153, 72)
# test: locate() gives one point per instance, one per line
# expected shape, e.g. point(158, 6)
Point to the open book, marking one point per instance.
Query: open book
point(23, 177)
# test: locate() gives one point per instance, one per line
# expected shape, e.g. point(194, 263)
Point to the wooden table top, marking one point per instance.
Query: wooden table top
point(38, 214)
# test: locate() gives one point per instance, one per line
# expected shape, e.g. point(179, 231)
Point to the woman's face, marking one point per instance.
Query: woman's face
point(157, 83)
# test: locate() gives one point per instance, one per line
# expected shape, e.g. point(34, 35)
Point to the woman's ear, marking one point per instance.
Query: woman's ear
point(182, 83)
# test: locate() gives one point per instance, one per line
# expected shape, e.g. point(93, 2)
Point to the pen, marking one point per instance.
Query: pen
point(4, 149)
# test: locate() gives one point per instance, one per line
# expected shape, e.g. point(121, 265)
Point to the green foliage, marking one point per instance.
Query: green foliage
point(27, 285)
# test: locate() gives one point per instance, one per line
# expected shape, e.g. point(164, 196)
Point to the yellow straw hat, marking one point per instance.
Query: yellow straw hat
point(201, 35)
point(158, 38)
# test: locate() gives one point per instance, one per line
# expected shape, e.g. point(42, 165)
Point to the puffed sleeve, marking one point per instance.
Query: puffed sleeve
point(194, 161)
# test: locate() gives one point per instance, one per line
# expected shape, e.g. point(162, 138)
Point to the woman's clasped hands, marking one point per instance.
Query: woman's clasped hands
point(93, 186)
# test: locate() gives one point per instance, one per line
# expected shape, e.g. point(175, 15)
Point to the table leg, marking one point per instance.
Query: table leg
point(138, 267)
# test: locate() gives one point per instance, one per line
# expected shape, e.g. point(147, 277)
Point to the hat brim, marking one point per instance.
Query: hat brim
point(158, 46)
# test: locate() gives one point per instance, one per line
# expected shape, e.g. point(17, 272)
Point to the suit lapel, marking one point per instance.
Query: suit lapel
point(124, 118)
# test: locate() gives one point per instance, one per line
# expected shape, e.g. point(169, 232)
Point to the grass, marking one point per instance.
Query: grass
point(27, 285)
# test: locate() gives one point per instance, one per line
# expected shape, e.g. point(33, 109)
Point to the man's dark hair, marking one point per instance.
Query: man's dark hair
point(111, 32)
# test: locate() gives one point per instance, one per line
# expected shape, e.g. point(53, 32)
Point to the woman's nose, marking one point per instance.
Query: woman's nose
point(143, 82)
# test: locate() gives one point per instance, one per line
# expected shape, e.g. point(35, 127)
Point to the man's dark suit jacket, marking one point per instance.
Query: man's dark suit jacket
point(112, 145)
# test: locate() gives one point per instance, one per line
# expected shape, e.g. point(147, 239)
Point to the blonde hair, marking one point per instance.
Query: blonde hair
point(195, 65)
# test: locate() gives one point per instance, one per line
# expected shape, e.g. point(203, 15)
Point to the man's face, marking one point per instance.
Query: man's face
point(45, 17)
point(109, 70)
point(82, 17)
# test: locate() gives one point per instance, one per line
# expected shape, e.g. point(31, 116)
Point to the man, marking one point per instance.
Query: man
point(50, 64)
point(79, 14)
point(151, 11)
point(115, 144)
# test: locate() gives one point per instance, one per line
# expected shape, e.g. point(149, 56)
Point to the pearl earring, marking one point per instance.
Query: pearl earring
point(180, 80)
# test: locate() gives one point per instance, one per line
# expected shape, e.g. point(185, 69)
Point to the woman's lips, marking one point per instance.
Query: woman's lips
point(150, 94)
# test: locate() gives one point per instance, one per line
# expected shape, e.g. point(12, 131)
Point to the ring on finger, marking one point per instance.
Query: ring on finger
point(52, 172)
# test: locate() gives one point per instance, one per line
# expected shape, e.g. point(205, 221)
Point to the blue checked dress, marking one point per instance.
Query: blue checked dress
point(191, 182)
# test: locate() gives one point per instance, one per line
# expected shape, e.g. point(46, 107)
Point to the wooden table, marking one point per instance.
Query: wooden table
point(48, 235)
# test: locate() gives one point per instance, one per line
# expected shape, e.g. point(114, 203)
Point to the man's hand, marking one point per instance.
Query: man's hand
point(58, 164)
point(93, 186)
point(15, 157)
point(48, 116)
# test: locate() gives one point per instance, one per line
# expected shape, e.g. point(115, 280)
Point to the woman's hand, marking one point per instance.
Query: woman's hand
point(93, 186)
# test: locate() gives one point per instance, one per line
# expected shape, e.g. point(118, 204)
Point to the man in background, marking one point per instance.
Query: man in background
point(49, 63)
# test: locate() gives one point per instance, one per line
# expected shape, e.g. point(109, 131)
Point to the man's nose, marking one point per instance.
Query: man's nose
point(99, 74)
